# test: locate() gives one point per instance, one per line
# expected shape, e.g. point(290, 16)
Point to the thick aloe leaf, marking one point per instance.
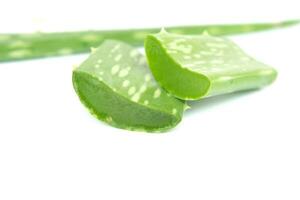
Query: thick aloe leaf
point(192, 67)
point(26, 46)
point(117, 87)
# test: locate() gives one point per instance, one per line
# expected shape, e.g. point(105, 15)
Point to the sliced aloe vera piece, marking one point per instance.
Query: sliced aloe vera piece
point(192, 67)
point(117, 87)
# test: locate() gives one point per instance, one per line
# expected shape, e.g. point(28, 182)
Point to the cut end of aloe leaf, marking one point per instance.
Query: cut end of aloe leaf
point(116, 86)
point(179, 81)
point(193, 67)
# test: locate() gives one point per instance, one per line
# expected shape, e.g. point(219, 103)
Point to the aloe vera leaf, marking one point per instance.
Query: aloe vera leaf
point(27, 46)
point(117, 87)
point(193, 67)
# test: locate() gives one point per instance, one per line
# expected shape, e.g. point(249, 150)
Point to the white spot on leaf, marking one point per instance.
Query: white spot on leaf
point(124, 72)
point(187, 57)
point(180, 47)
point(142, 61)
point(190, 65)
point(143, 88)
point(90, 37)
point(125, 83)
point(147, 77)
point(115, 48)
point(97, 66)
point(206, 53)
point(171, 51)
point(174, 111)
point(197, 55)
point(135, 97)
point(65, 51)
point(205, 33)
point(131, 90)
point(109, 119)
point(266, 72)
point(133, 53)
point(157, 93)
point(140, 34)
point(19, 44)
point(200, 62)
point(19, 53)
point(217, 62)
point(118, 57)
point(115, 69)
point(224, 78)
point(216, 45)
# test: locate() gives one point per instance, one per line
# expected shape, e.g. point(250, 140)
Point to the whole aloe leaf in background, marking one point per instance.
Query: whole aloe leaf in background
point(37, 45)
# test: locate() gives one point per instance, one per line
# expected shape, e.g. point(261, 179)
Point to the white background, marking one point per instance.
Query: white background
point(239, 146)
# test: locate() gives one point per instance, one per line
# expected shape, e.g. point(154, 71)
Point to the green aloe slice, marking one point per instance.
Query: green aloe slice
point(117, 87)
point(36, 45)
point(192, 67)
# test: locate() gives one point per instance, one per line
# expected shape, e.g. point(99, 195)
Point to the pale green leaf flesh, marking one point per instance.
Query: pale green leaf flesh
point(117, 87)
point(193, 67)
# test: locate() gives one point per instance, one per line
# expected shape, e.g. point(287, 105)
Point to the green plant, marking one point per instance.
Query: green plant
point(202, 66)
point(36, 45)
point(117, 87)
